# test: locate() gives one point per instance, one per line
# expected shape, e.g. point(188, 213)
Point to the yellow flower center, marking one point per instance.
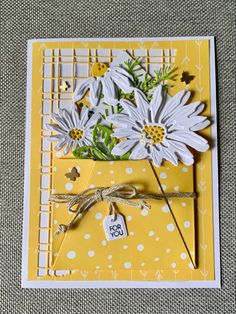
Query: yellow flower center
point(155, 133)
point(76, 134)
point(99, 69)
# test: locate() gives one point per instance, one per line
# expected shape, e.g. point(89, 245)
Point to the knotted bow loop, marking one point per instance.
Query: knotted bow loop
point(120, 190)
point(121, 194)
point(80, 199)
point(99, 195)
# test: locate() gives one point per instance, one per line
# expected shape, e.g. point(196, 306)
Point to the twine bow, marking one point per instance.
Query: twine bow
point(121, 194)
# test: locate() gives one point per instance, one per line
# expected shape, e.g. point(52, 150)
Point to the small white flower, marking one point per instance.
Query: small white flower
point(74, 129)
point(161, 129)
point(115, 77)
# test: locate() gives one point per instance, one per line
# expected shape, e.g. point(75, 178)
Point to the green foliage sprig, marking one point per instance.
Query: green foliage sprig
point(103, 143)
point(167, 73)
point(133, 66)
point(110, 110)
point(161, 76)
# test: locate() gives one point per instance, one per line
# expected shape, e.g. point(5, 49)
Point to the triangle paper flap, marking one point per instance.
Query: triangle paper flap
point(61, 184)
point(183, 209)
point(185, 220)
point(154, 239)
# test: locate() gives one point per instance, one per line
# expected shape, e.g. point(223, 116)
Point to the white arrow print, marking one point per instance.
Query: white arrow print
point(199, 67)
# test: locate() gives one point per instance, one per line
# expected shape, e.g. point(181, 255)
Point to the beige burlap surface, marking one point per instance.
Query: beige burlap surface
point(22, 20)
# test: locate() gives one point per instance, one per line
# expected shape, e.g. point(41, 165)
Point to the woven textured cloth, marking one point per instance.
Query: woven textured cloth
point(22, 20)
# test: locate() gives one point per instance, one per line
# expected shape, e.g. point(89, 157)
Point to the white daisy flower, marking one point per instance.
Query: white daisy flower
point(74, 129)
point(161, 129)
point(108, 84)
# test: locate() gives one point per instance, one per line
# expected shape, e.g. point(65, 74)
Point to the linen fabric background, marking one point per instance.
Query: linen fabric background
point(23, 20)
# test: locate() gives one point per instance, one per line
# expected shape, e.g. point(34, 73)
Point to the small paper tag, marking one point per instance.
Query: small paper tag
point(114, 229)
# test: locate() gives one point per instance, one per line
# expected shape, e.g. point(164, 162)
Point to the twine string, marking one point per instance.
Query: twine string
point(125, 194)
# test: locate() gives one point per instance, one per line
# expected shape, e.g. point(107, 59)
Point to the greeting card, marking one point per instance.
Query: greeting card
point(121, 178)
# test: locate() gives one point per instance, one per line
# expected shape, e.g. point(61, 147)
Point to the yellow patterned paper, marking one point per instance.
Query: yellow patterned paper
point(162, 237)
point(172, 241)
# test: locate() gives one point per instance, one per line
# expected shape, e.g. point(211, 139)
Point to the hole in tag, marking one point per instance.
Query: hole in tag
point(114, 217)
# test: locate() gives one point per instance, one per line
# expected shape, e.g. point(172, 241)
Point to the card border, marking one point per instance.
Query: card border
point(215, 178)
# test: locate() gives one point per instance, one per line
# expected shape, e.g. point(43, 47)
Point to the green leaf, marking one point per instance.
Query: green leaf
point(133, 65)
point(86, 152)
point(161, 76)
point(104, 142)
point(101, 133)
point(125, 156)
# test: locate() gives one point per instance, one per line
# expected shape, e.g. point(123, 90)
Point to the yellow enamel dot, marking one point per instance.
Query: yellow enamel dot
point(98, 69)
point(76, 134)
point(155, 133)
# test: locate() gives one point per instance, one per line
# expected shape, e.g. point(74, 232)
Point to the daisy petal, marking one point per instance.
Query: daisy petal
point(185, 123)
point(201, 125)
point(94, 119)
point(120, 71)
point(122, 82)
point(191, 139)
point(123, 132)
point(82, 88)
point(174, 104)
point(75, 116)
point(95, 92)
point(109, 91)
point(156, 102)
point(55, 128)
point(121, 120)
point(85, 142)
point(187, 110)
point(182, 152)
point(169, 154)
point(62, 123)
point(55, 138)
point(139, 152)
point(67, 117)
point(84, 115)
point(75, 145)
point(131, 109)
point(194, 108)
point(123, 147)
point(184, 113)
point(60, 144)
point(191, 122)
point(67, 148)
point(142, 103)
point(156, 156)
point(198, 108)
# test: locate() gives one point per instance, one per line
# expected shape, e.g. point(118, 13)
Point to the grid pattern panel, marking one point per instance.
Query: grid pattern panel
point(71, 66)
